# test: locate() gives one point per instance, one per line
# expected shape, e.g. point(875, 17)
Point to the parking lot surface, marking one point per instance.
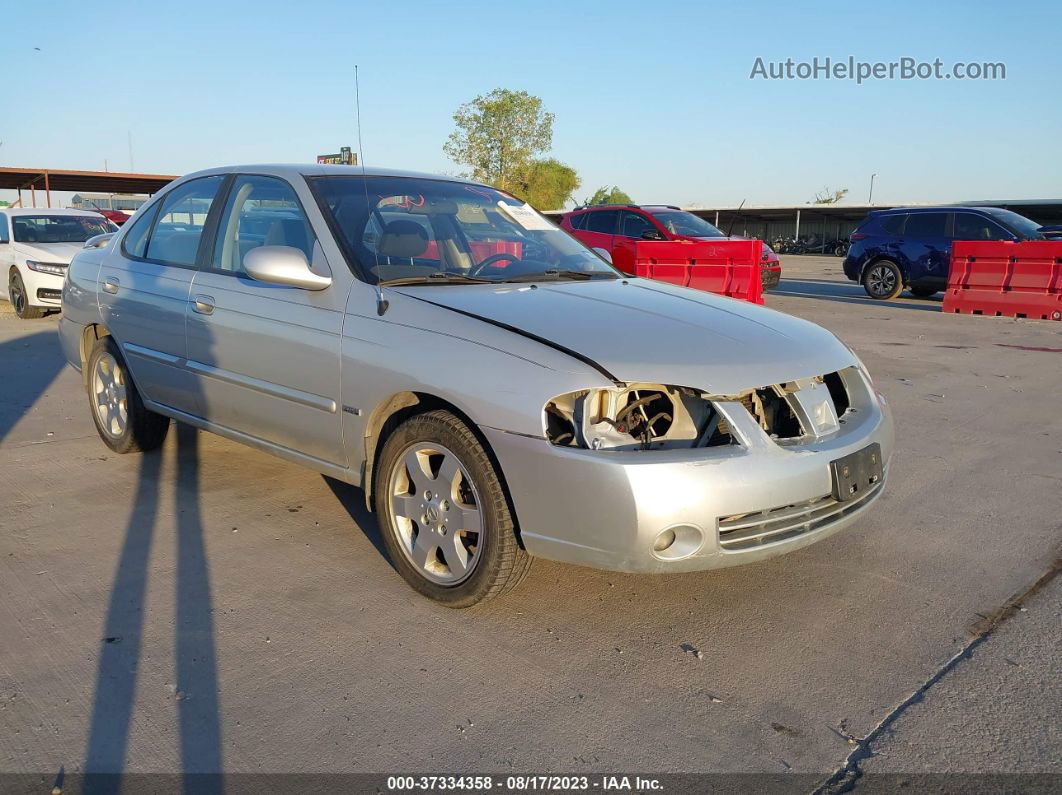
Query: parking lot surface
point(212, 607)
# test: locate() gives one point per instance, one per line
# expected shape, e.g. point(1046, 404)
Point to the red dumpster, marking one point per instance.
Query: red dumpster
point(726, 267)
point(1006, 279)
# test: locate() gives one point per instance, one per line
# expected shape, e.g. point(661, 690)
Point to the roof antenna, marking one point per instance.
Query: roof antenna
point(381, 302)
point(734, 219)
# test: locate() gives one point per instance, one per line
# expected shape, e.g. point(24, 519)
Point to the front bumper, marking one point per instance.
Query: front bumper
point(606, 509)
point(42, 289)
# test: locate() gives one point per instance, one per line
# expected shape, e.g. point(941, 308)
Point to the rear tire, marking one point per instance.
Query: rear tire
point(882, 280)
point(924, 292)
point(443, 513)
point(19, 298)
point(117, 410)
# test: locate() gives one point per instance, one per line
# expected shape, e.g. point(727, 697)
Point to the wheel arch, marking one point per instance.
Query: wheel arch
point(89, 335)
point(878, 257)
point(398, 408)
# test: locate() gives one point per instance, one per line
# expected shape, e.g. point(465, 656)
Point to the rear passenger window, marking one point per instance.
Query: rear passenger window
point(3, 229)
point(579, 221)
point(603, 222)
point(175, 236)
point(261, 211)
point(969, 226)
point(921, 225)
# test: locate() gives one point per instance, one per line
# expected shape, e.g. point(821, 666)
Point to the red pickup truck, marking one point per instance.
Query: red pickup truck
point(615, 228)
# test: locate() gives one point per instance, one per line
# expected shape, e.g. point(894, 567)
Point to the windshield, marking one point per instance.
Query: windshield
point(409, 229)
point(1019, 224)
point(680, 222)
point(59, 228)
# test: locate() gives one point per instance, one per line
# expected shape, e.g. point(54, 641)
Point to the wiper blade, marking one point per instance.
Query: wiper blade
point(558, 274)
point(439, 277)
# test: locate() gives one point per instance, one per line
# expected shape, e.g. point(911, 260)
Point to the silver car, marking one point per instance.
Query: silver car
point(499, 391)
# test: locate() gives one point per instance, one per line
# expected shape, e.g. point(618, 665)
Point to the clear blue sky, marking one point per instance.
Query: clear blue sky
point(654, 97)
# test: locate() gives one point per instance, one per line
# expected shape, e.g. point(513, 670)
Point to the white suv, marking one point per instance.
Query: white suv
point(35, 249)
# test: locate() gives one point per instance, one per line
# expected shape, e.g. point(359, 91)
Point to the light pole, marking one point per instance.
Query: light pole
point(871, 196)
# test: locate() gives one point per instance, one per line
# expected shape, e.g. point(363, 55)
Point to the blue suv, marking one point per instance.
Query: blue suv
point(911, 246)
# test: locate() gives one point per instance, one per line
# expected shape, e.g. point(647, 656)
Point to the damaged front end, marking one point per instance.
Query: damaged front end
point(662, 417)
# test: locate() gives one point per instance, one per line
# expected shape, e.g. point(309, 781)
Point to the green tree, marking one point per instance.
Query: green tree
point(498, 136)
point(609, 195)
point(549, 184)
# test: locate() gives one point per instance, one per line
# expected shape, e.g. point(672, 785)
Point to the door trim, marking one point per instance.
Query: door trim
point(265, 387)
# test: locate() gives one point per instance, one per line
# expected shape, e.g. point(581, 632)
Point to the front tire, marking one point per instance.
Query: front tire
point(882, 280)
point(19, 298)
point(443, 513)
point(117, 409)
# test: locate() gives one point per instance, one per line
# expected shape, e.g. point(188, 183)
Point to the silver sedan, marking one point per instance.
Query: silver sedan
point(499, 391)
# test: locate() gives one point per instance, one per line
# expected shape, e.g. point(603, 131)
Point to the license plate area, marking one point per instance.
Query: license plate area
point(856, 473)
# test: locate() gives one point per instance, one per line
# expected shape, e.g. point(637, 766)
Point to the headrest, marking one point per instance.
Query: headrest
point(403, 239)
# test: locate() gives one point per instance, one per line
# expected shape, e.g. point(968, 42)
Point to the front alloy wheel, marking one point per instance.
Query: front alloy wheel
point(444, 514)
point(883, 280)
point(436, 513)
point(16, 294)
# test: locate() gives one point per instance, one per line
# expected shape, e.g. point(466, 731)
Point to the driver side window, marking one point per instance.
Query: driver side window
point(260, 211)
point(4, 238)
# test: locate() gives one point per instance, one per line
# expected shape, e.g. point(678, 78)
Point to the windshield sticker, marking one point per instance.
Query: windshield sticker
point(525, 215)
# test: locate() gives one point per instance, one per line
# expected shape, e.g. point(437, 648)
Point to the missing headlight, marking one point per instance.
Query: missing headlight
point(639, 417)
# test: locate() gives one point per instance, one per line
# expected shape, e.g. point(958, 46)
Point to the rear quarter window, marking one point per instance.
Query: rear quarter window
point(578, 221)
point(893, 224)
point(135, 240)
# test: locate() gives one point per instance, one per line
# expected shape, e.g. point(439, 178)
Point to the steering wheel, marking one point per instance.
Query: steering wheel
point(493, 258)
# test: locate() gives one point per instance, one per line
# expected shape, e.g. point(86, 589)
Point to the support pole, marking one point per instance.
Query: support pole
point(47, 189)
point(796, 234)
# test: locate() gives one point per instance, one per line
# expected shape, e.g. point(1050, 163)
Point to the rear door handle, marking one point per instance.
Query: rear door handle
point(203, 304)
point(110, 285)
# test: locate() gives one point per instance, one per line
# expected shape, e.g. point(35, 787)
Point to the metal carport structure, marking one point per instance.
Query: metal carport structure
point(48, 180)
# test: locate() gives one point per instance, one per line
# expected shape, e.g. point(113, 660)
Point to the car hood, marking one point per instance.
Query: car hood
point(644, 331)
point(50, 252)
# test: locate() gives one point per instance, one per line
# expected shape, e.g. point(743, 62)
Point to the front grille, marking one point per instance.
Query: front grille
point(48, 294)
point(748, 531)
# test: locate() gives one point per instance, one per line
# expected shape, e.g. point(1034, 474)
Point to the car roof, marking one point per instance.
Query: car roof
point(15, 211)
point(942, 209)
point(292, 170)
point(622, 205)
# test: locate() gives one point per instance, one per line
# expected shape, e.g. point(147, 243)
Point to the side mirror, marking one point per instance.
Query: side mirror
point(283, 265)
point(652, 234)
point(603, 254)
point(100, 241)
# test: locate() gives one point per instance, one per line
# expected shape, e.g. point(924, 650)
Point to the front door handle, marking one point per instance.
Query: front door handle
point(203, 304)
point(110, 285)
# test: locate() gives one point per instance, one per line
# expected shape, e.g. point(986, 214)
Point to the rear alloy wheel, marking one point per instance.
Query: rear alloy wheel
point(924, 292)
point(16, 294)
point(883, 280)
point(443, 513)
point(121, 419)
